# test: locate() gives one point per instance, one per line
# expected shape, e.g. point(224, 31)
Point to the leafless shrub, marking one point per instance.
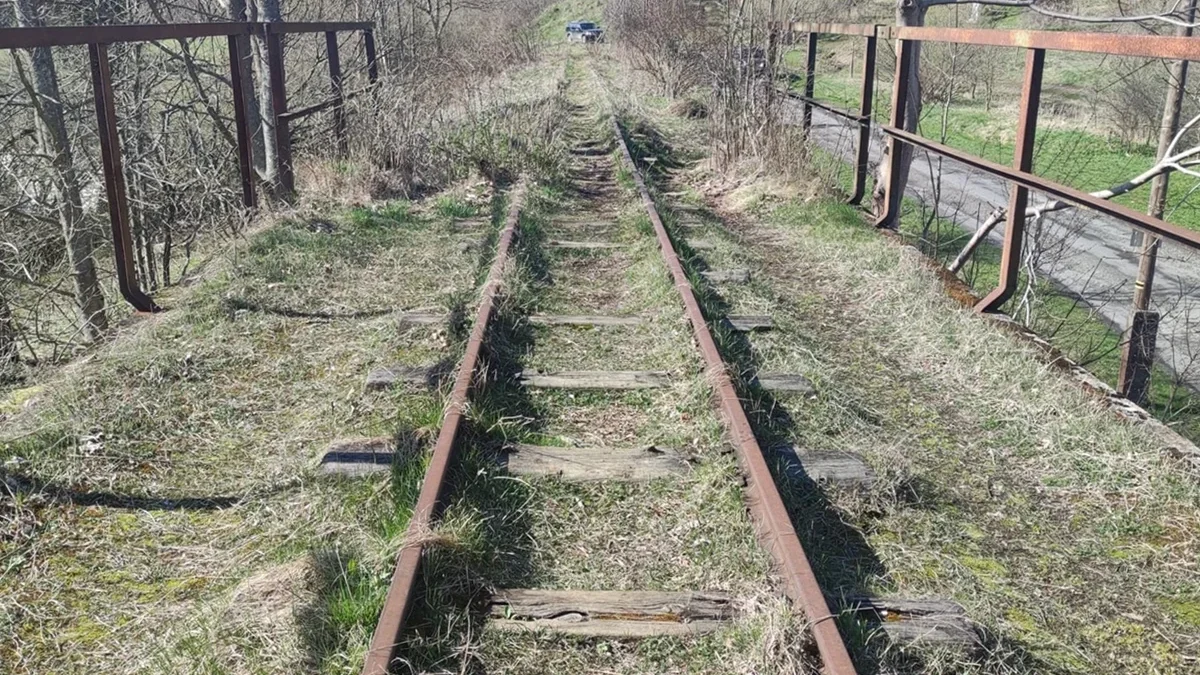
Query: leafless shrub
point(671, 40)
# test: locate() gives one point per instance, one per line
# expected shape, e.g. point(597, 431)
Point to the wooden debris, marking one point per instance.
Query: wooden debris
point(423, 317)
point(594, 464)
point(596, 379)
point(919, 623)
point(584, 320)
point(392, 376)
point(747, 323)
point(701, 245)
point(358, 457)
point(629, 614)
point(823, 466)
point(789, 383)
point(733, 276)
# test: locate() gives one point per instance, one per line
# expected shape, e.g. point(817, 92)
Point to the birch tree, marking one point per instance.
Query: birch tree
point(66, 201)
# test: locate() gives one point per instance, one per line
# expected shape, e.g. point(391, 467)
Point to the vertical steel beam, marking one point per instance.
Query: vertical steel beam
point(867, 101)
point(114, 181)
point(810, 74)
point(245, 154)
point(283, 136)
point(372, 64)
point(905, 53)
point(1014, 227)
point(335, 85)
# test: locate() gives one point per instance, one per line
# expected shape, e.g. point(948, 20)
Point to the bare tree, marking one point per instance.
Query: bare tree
point(66, 198)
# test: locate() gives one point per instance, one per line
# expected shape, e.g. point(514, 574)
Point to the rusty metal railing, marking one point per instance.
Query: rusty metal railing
point(98, 38)
point(1136, 359)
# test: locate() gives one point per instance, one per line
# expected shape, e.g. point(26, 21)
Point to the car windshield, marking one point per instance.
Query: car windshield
point(586, 26)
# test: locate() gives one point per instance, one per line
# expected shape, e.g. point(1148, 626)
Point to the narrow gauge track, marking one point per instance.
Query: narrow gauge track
point(617, 614)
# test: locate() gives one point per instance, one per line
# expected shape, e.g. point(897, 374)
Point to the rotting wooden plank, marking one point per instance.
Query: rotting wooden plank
point(392, 376)
point(583, 245)
point(423, 317)
point(358, 457)
point(823, 466)
point(594, 463)
point(701, 245)
point(584, 320)
point(611, 613)
point(790, 383)
point(611, 628)
point(924, 624)
point(733, 276)
point(596, 379)
point(746, 323)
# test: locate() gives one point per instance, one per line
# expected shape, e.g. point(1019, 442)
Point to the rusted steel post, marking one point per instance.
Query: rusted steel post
point(1014, 227)
point(890, 218)
point(335, 85)
point(863, 160)
point(372, 64)
point(283, 136)
point(810, 73)
point(114, 181)
point(245, 154)
point(1137, 356)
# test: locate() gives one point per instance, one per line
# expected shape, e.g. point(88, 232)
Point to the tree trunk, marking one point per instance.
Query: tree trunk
point(52, 133)
point(908, 13)
point(9, 354)
point(238, 12)
point(267, 11)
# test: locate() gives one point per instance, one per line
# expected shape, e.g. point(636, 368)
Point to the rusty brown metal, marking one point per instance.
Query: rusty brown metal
point(894, 193)
point(864, 30)
point(64, 36)
point(114, 181)
point(372, 62)
point(862, 162)
point(335, 86)
point(1108, 208)
point(245, 153)
point(1014, 227)
point(399, 600)
point(1147, 46)
point(766, 504)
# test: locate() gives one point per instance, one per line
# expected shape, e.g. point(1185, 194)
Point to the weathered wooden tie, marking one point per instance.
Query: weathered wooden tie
point(924, 624)
point(732, 276)
point(701, 245)
point(393, 376)
point(584, 320)
point(786, 383)
point(423, 317)
point(583, 245)
point(823, 466)
point(358, 457)
point(627, 614)
point(594, 463)
point(747, 323)
point(596, 379)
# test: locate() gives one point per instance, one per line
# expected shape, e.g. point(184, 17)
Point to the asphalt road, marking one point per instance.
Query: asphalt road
point(1085, 253)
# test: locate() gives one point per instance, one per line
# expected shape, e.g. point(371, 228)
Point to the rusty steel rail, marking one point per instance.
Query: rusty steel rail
point(400, 598)
point(98, 38)
point(766, 504)
point(1036, 45)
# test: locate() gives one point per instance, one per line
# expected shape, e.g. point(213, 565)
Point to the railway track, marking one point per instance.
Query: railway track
point(581, 266)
